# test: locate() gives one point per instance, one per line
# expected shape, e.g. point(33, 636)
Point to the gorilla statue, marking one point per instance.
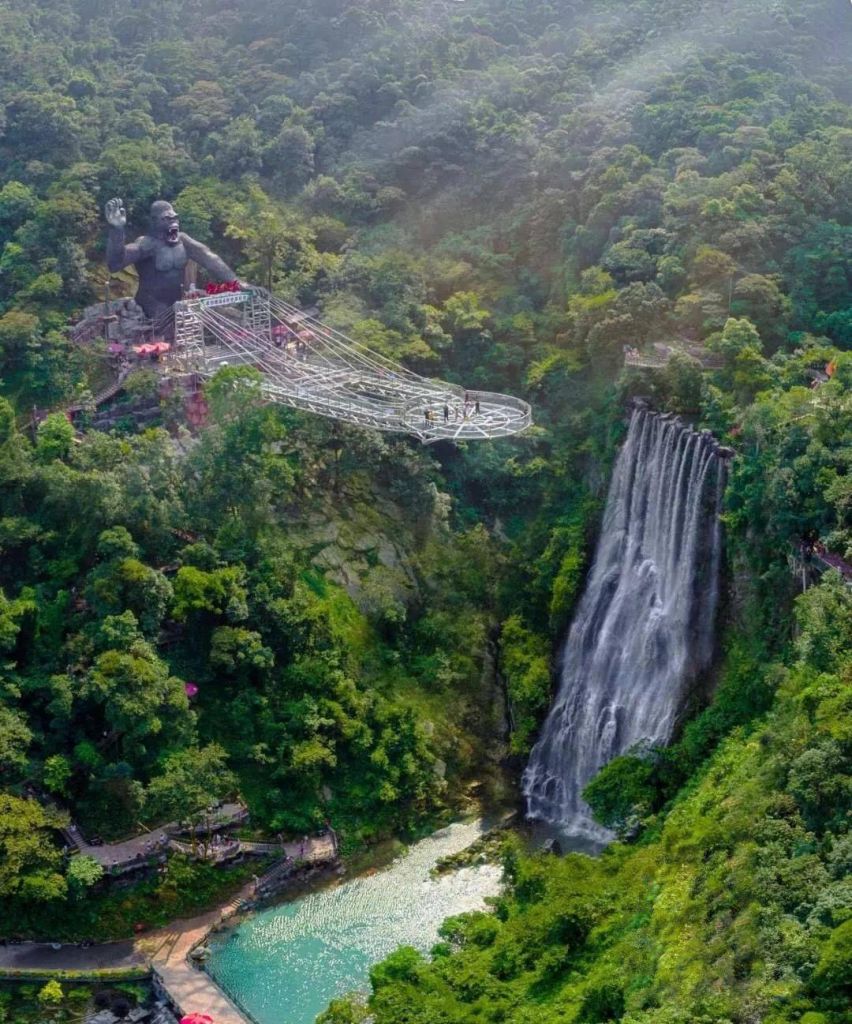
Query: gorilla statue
point(160, 257)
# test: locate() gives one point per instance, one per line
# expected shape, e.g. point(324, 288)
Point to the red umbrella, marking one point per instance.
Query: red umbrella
point(197, 1018)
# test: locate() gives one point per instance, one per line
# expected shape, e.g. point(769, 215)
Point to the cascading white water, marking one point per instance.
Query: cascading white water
point(644, 627)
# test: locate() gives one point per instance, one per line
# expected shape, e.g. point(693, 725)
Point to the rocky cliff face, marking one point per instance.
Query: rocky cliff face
point(357, 544)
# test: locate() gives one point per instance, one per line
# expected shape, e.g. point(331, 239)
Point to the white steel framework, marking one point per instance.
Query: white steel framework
point(308, 365)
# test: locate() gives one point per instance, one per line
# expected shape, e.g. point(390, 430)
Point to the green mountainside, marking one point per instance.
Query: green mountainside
point(507, 194)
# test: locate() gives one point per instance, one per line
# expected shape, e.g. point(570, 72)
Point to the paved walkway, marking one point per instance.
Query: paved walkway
point(118, 854)
point(169, 946)
point(194, 991)
point(313, 850)
point(41, 956)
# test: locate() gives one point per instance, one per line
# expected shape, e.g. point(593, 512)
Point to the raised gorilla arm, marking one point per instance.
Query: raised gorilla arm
point(208, 259)
point(160, 256)
point(118, 254)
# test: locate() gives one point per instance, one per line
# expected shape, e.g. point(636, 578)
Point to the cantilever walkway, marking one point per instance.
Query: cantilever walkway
point(305, 364)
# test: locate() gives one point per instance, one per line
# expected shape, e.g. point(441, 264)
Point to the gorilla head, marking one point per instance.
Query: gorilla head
point(164, 222)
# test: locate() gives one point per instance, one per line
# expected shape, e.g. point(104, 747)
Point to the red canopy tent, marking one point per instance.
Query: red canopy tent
point(153, 348)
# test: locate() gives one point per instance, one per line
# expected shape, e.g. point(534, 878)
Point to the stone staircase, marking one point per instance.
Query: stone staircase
point(105, 393)
point(232, 907)
point(271, 879)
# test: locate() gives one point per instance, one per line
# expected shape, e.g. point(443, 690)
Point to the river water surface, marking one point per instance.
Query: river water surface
point(285, 964)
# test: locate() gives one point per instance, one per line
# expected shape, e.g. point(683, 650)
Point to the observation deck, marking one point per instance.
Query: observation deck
point(305, 364)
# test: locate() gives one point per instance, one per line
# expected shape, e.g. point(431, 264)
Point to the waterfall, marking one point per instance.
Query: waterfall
point(644, 627)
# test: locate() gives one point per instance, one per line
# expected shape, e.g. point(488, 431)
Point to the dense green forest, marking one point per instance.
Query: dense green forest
point(505, 193)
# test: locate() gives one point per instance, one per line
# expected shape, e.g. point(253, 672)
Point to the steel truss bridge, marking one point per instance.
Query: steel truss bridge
point(308, 365)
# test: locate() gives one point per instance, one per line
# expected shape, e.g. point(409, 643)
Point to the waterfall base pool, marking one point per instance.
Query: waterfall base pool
point(285, 964)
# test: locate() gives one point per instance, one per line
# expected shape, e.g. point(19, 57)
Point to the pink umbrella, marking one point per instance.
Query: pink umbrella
point(197, 1018)
point(190, 689)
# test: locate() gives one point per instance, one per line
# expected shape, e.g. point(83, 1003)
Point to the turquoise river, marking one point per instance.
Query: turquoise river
point(284, 965)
